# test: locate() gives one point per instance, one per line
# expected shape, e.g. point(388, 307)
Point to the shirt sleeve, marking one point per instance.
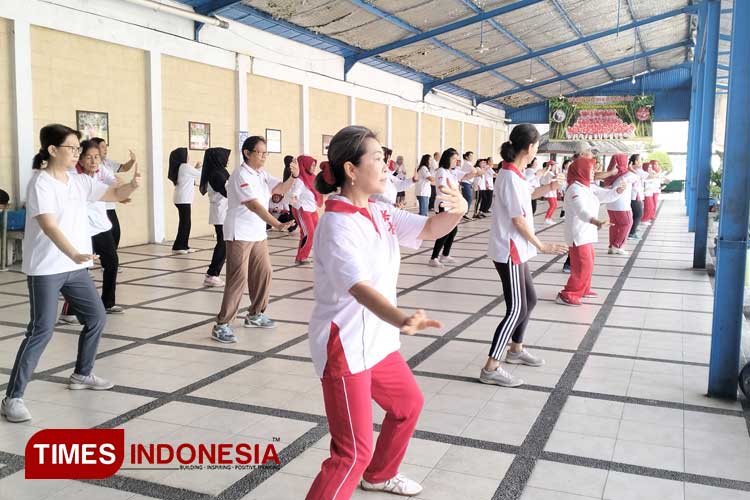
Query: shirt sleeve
point(577, 201)
point(273, 181)
point(42, 199)
point(606, 195)
point(512, 199)
point(246, 191)
point(108, 177)
point(345, 257)
point(408, 227)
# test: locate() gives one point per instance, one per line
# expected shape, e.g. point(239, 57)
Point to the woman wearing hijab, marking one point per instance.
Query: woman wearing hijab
point(651, 185)
point(183, 176)
point(307, 202)
point(582, 200)
point(287, 199)
point(213, 182)
point(619, 210)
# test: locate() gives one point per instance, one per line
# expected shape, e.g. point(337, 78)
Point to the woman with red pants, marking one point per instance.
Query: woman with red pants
point(354, 328)
point(551, 195)
point(620, 212)
point(307, 202)
point(582, 200)
point(652, 185)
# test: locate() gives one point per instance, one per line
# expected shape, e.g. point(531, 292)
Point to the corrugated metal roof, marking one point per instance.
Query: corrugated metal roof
point(349, 27)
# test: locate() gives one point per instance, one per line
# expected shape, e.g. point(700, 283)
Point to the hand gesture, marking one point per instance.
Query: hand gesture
point(600, 223)
point(198, 165)
point(283, 226)
point(82, 258)
point(451, 199)
point(554, 185)
point(554, 248)
point(131, 154)
point(417, 322)
point(136, 181)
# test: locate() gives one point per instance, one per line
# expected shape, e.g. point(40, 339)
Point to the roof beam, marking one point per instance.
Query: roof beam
point(213, 6)
point(406, 26)
point(578, 32)
point(554, 48)
point(502, 30)
point(425, 35)
point(574, 74)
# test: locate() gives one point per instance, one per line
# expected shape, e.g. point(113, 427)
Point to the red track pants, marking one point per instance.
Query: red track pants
point(552, 206)
point(622, 221)
point(649, 208)
point(581, 269)
point(307, 222)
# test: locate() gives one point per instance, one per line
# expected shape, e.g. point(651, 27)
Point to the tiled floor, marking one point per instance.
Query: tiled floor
point(618, 412)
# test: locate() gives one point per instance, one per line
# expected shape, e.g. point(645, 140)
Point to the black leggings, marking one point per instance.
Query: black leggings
point(520, 299)
point(103, 245)
point(533, 207)
point(637, 207)
point(112, 216)
point(183, 228)
point(433, 195)
point(445, 243)
point(220, 252)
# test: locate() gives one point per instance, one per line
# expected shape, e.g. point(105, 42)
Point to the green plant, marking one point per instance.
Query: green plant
point(715, 184)
point(665, 162)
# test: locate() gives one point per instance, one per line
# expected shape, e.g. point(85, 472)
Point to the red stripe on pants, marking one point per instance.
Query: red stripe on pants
point(581, 269)
point(622, 221)
point(649, 209)
point(552, 206)
point(348, 402)
point(307, 223)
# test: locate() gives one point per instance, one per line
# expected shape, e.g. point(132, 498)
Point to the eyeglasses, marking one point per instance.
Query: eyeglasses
point(261, 153)
point(77, 150)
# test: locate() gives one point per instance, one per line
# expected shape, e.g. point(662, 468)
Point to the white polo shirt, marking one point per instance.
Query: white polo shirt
point(353, 245)
point(547, 179)
point(69, 202)
point(466, 168)
point(423, 185)
point(97, 210)
point(246, 184)
point(532, 179)
point(113, 167)
point(489, 180)
point(622, 203)
point(217, 208)
point(184, 190)
point(305, 197)
point(512, 198)
point(441, 179)
point(392, 187)
point(581, 205)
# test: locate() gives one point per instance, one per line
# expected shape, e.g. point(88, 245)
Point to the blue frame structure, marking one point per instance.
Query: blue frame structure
point(732, 244)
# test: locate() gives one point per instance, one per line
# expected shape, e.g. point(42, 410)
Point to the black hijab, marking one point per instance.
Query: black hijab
point(214, 171)
point(176, 158)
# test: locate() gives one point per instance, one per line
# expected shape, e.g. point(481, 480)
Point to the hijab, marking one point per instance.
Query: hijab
point(214, 172)
point(580, 171)
point(307, 177)
point(621, 162)
point(176, 158)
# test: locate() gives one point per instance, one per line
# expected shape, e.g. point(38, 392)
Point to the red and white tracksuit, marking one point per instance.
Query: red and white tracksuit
point(305, 211)
point(620, 213)
point(355, 353)
point(581, 205)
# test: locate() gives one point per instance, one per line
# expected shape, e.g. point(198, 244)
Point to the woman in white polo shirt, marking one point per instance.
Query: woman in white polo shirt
point(354, 328)
point(423, 189)
point(306, 200)
point(620, 211)
point(550, 196)
point(447, 174)
point(249, 191)
point(512, 243)
point(213, 182)
point(56, 257)
point(183, 176)
point(582, 200)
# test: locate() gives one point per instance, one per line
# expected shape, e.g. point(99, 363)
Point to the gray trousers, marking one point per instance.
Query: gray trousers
point(78, 289)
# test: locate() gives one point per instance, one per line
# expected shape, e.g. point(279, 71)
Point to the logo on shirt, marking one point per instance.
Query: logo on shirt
point(387, 219)
point(244, 185)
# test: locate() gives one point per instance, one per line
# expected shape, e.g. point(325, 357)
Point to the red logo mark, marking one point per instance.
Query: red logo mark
point(74, 453)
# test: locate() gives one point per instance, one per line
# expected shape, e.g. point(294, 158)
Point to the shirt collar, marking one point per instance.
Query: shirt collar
point(513, 168)
point(341, 204)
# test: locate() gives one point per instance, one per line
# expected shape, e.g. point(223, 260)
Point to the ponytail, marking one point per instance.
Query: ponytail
point(521, 137)
point(51, 135)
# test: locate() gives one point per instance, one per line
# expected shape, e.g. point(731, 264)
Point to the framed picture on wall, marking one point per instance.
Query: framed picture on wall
point(273, 140)
point(93, 124)
point(199, 135)
point(326, 143)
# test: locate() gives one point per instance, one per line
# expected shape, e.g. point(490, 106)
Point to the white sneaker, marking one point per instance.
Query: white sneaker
point(115, 310)
point(399, 485)
point(435, 263)
point(523, 358)
point(14, 410)
point(78, 382)
point(549, 222)
point(499, 377)
point(619, 251)
point(213, 281)
point(180, 252)
point(447, 259)
point(191, 250)
point(68, 319)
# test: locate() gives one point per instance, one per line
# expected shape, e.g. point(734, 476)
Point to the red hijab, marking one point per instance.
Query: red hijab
point(580, 171)
point(306, 164)
point(621, 162)
point(653, 166)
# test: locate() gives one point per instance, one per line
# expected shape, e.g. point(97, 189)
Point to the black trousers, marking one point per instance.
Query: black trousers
point(220, 252)
point(533, 207)
point(520, 300)
point(486, 200)
point(637, 207)
point(104, 246)
point(433, 195)
point(183, 227)
point(445, 243)
point(112, 216)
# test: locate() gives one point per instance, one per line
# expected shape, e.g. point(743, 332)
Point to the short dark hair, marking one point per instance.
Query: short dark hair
point(97, 140)
point(521, 137)
point(445, 158)
point(250, 143)
point(467, 154)
point(4, 197)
